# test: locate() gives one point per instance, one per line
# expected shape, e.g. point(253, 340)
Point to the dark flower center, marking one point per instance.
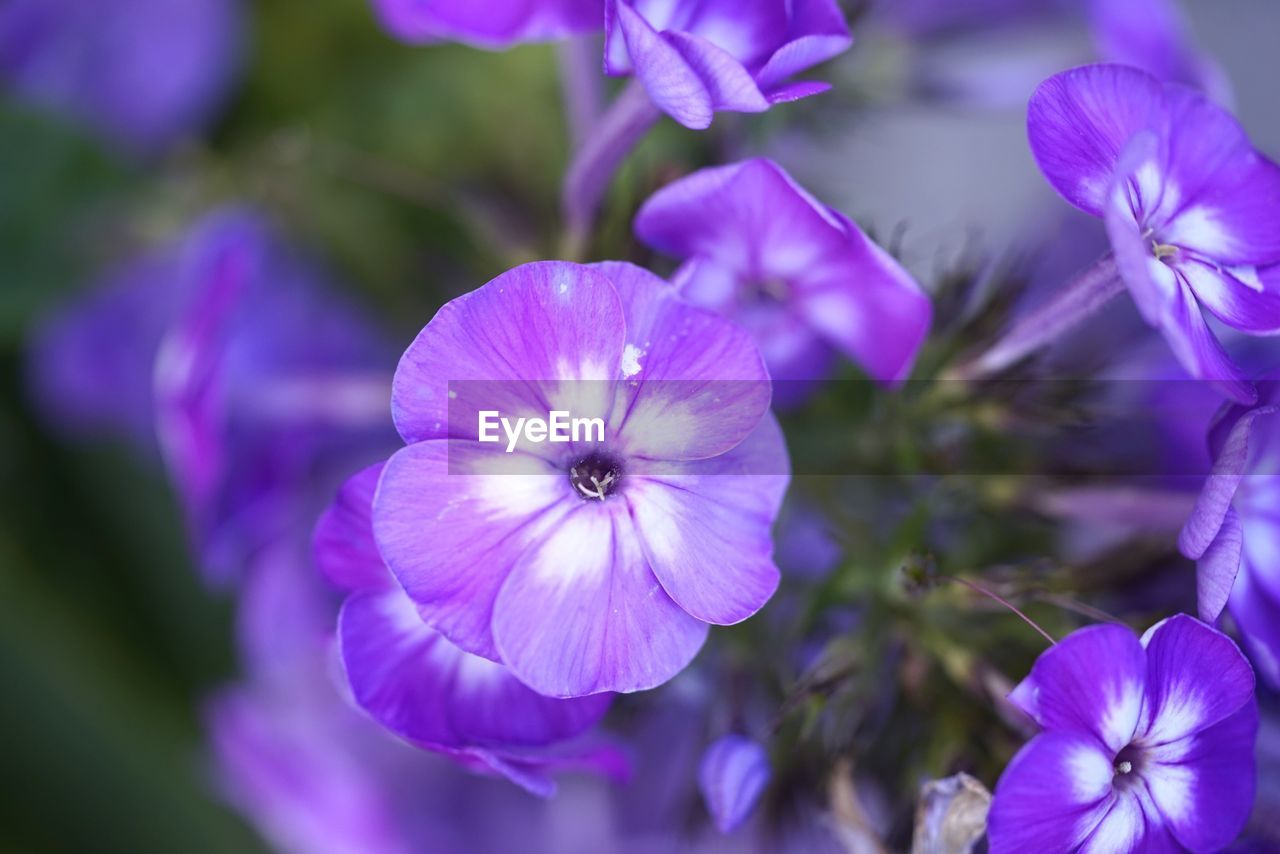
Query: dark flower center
point(1128, 766)
point(595, 477)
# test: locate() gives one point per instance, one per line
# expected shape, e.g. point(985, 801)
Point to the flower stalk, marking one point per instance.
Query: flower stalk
point(1075, 303)
point(594, 164)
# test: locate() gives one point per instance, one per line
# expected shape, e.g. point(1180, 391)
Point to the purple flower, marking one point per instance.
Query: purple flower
point(1146, 746)
point(494, 24)
point(697, 58)
point(1192, 210)
point(799, 275)
point(420, 686)
point(1233, 532)
point(146, 75)
point(733, 774)
point(588, 566)
point(254, 376)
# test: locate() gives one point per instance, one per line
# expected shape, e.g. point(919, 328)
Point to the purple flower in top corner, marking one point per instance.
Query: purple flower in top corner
point(417, 684)
point(697, 58)
point(1192, 210)
point(799, 275)
point(594, 564)
point(1233, 532)
point(732, 775)
point(493, 25)
point(1147, 745)
point(146, 75)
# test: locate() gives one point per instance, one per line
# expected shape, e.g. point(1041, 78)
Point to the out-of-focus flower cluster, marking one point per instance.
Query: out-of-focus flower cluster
point(459, 629)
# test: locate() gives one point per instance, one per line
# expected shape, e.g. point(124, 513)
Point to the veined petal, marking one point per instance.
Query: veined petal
point(1220, 486)
point(730, 85)
point(417, 684)
point(1052, 795)
point(1079, 121)
point(1204, 784)
point(343, 544)
point(452, 522)
point(1196, 677)
point(672, 84)
point(1131, 822)
point(1217, 568)
point(1091, 682)
point(705, 527)
point(694, 385)
point(519, 340)
point(583, 613)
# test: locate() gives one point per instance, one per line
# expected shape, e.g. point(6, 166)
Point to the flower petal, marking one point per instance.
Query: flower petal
point(1204, 784)
point(705, 527)
point(519, 340)
point(1257, 613)
point(867, 305)
point(1051, 796)
point(697, 385)
point(673, 85)
point(1220, 486)
point(1196, 677)
point(1234, 295)
point(1091, 682)
point(1217, 568)
point(91, 364)
point(1227, 194)
point(452, 525)
point(732, 775)
point(582, 613)
point(343, 545)
point(417, 684)
point(730, 85)
point(1079, 121)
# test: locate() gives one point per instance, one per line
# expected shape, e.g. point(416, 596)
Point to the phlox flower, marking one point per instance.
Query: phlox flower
point(493, 24)
point(1147, 745)
point(588, 566)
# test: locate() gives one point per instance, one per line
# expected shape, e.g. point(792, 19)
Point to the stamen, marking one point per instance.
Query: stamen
point(1163, 250)
point(595, 477)
point(1124, 766)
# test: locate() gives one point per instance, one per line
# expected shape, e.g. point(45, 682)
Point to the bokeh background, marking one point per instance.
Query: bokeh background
point(416, 173)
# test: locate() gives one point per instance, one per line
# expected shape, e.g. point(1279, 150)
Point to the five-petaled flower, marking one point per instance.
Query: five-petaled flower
point(1147, 746)
point(1192, 210)
point(583, 568)
point(697, 58)
point(801, 276)
point(416, 683)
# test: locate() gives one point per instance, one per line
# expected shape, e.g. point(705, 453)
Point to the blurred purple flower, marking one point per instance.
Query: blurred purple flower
point(256, 379)
point(1190, 206)
point(697, 58)
point(493, 25)
point(584, 567)
point(799, 275)
point(995, 51)
point(1146, 746)
point(733, 774)
point(420, 686)
point(1233, 532)
point(146, 74)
